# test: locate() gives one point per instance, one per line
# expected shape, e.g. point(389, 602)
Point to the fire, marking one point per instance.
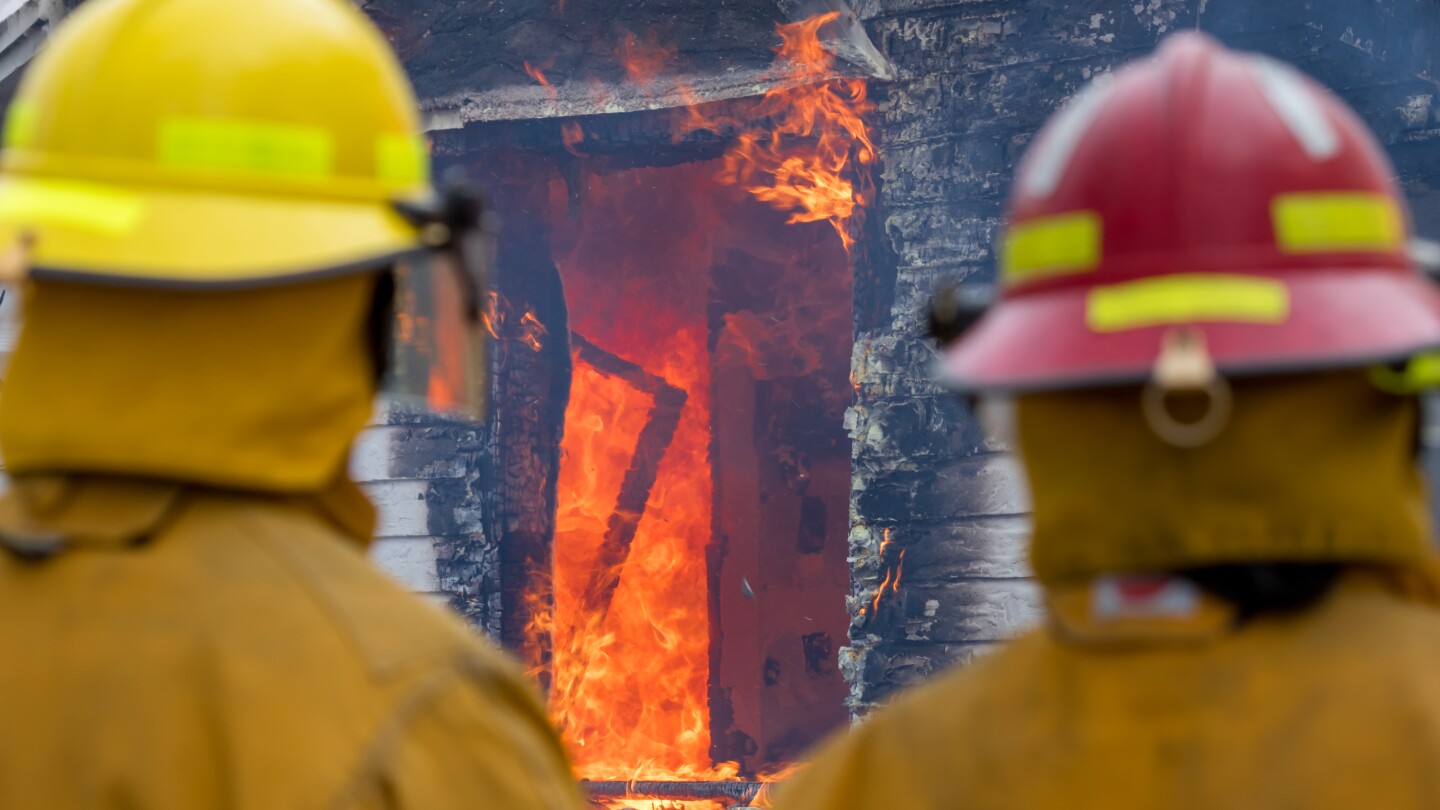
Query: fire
point(571, 134)
point(630, 638)
point(531, 331)
point(890, 584)
point(811, 155)
point(644, 61)
point(492, 316)
point(537, 73)
point(629, 632)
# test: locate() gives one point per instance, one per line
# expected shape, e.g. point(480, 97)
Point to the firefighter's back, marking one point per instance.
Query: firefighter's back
point(182, 648)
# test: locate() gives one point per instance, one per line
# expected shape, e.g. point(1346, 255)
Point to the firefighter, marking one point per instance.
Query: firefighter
point(1210, 332)
point(217, 204)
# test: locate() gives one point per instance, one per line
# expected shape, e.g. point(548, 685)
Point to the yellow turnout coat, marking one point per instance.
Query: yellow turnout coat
point(188, 619)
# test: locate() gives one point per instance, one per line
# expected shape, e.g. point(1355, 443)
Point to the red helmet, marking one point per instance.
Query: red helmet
point(1210, 191)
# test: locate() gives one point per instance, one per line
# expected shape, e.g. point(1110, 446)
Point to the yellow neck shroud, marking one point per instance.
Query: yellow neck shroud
point(1309, 468)
point(259, 389)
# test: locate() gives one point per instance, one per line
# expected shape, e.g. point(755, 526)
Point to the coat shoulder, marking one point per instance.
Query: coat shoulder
point(390, 629)
point(249, 642)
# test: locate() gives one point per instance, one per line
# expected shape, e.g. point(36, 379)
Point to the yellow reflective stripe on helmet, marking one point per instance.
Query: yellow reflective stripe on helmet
point(262, 147)
point(1066, 243)
point(63, 203)
point(1185, 299)
point(20, 124)
point(1336, 221)
point(402, 159)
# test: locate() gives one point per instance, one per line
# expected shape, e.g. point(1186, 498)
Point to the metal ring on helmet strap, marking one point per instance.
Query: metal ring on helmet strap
point(1184, 365)
point(1155, 404)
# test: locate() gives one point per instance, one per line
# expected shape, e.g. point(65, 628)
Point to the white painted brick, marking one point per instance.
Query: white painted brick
point(380, 411)
point(403, 510)
point(410, 560)
point(370, 457)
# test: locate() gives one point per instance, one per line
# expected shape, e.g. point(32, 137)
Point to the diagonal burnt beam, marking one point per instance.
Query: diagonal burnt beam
point(639, 479)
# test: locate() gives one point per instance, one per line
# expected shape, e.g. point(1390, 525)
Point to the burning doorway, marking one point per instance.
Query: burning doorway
point(670, 483)
point(700, 569)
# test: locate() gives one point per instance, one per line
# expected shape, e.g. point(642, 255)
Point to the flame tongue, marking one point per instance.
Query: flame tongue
point(630, 636)
point(799, 149)
point(630, 681)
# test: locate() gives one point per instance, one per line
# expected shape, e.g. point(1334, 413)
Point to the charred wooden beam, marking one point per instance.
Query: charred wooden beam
point(741, 793)
point(650, 447)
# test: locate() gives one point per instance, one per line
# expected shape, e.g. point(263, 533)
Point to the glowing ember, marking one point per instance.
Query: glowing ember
point(805, 161)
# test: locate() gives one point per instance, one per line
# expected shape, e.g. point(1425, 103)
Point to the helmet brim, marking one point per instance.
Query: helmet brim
point(1340, 318)
point(191, 238)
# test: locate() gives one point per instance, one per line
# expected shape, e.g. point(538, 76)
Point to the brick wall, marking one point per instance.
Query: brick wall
point(403, 546)
point(422, 473)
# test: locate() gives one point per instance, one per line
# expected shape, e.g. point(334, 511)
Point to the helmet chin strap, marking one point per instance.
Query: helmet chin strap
point(1184, 367)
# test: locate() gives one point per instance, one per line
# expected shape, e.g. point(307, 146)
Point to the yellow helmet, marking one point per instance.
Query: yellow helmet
point(209, 142)
point(224, 143)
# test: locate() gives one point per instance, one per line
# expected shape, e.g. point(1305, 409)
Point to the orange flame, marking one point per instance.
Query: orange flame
point(644, 61)
point(893, 573)
point(629, 691)
point(531, 330)
point(814, 159)
point(535, 72)
point(570, 135)
point(624, 722)
point(492, 316)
